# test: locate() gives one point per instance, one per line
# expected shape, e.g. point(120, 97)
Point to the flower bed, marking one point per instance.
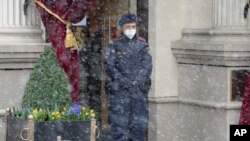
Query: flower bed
point(75, 123)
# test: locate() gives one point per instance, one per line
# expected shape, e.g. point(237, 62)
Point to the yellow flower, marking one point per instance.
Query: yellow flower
point(91, 111)
point(35, 111)
point(64, 109)
point(53, 114)
point(83, 108)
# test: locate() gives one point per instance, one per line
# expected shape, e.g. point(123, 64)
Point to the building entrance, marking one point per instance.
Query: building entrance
point(100, 30)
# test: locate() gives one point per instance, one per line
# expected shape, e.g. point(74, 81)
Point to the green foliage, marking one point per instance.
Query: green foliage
point(47, 85)
point(20, 113)
point(57, 114)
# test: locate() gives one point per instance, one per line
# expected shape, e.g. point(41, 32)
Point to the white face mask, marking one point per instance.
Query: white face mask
point(130, 33)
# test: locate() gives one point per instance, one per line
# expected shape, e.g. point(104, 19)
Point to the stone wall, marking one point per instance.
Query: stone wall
point(195, 46)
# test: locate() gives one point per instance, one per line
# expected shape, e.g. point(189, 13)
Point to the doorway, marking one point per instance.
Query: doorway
point(101, 29)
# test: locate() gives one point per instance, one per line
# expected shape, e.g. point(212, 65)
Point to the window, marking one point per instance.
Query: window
point(239, 78)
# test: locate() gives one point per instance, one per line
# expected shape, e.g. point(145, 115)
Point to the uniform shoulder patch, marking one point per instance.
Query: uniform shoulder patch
point(109, 51)
point(142, 39)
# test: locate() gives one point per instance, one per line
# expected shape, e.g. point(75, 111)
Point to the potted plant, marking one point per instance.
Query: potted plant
point(47, 113)
point(75, 123)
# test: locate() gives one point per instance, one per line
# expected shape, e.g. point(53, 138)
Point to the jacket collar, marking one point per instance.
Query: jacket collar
point(124, 37)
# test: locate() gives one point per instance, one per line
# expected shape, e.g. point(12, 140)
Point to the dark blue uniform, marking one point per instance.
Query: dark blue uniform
point(129, 66)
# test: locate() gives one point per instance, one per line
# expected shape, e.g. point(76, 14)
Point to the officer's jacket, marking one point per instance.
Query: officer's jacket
point(128, 62)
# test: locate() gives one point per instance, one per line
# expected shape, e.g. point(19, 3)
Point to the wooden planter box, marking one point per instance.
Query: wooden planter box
point(29, 130)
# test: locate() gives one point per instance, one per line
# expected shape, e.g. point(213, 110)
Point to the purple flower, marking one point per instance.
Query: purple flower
point(70, 111)
point(76, 109)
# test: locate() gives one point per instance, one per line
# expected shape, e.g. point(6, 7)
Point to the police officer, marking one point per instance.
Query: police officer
point(129, 66)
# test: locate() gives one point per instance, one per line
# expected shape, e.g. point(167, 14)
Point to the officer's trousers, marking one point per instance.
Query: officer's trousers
point(128, 115)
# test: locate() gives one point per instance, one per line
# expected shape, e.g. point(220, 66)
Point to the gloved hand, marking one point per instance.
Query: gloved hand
point(143, 84)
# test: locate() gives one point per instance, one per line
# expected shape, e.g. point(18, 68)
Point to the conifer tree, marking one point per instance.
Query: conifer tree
point(48, 84)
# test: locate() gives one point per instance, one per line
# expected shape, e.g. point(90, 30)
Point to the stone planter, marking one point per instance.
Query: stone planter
point(29, 130)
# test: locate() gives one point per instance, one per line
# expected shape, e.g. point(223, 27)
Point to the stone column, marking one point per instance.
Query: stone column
point(15, 27)
point(20, 45)
point(166, 20)
point(20, 35)
point(206, 59)
point(228, 14)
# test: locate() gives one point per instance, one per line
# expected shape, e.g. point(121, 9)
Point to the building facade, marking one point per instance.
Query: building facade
point(196, 47)
point(21, 43)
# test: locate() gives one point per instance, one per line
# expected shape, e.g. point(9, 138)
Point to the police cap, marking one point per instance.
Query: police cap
point(127, 18)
